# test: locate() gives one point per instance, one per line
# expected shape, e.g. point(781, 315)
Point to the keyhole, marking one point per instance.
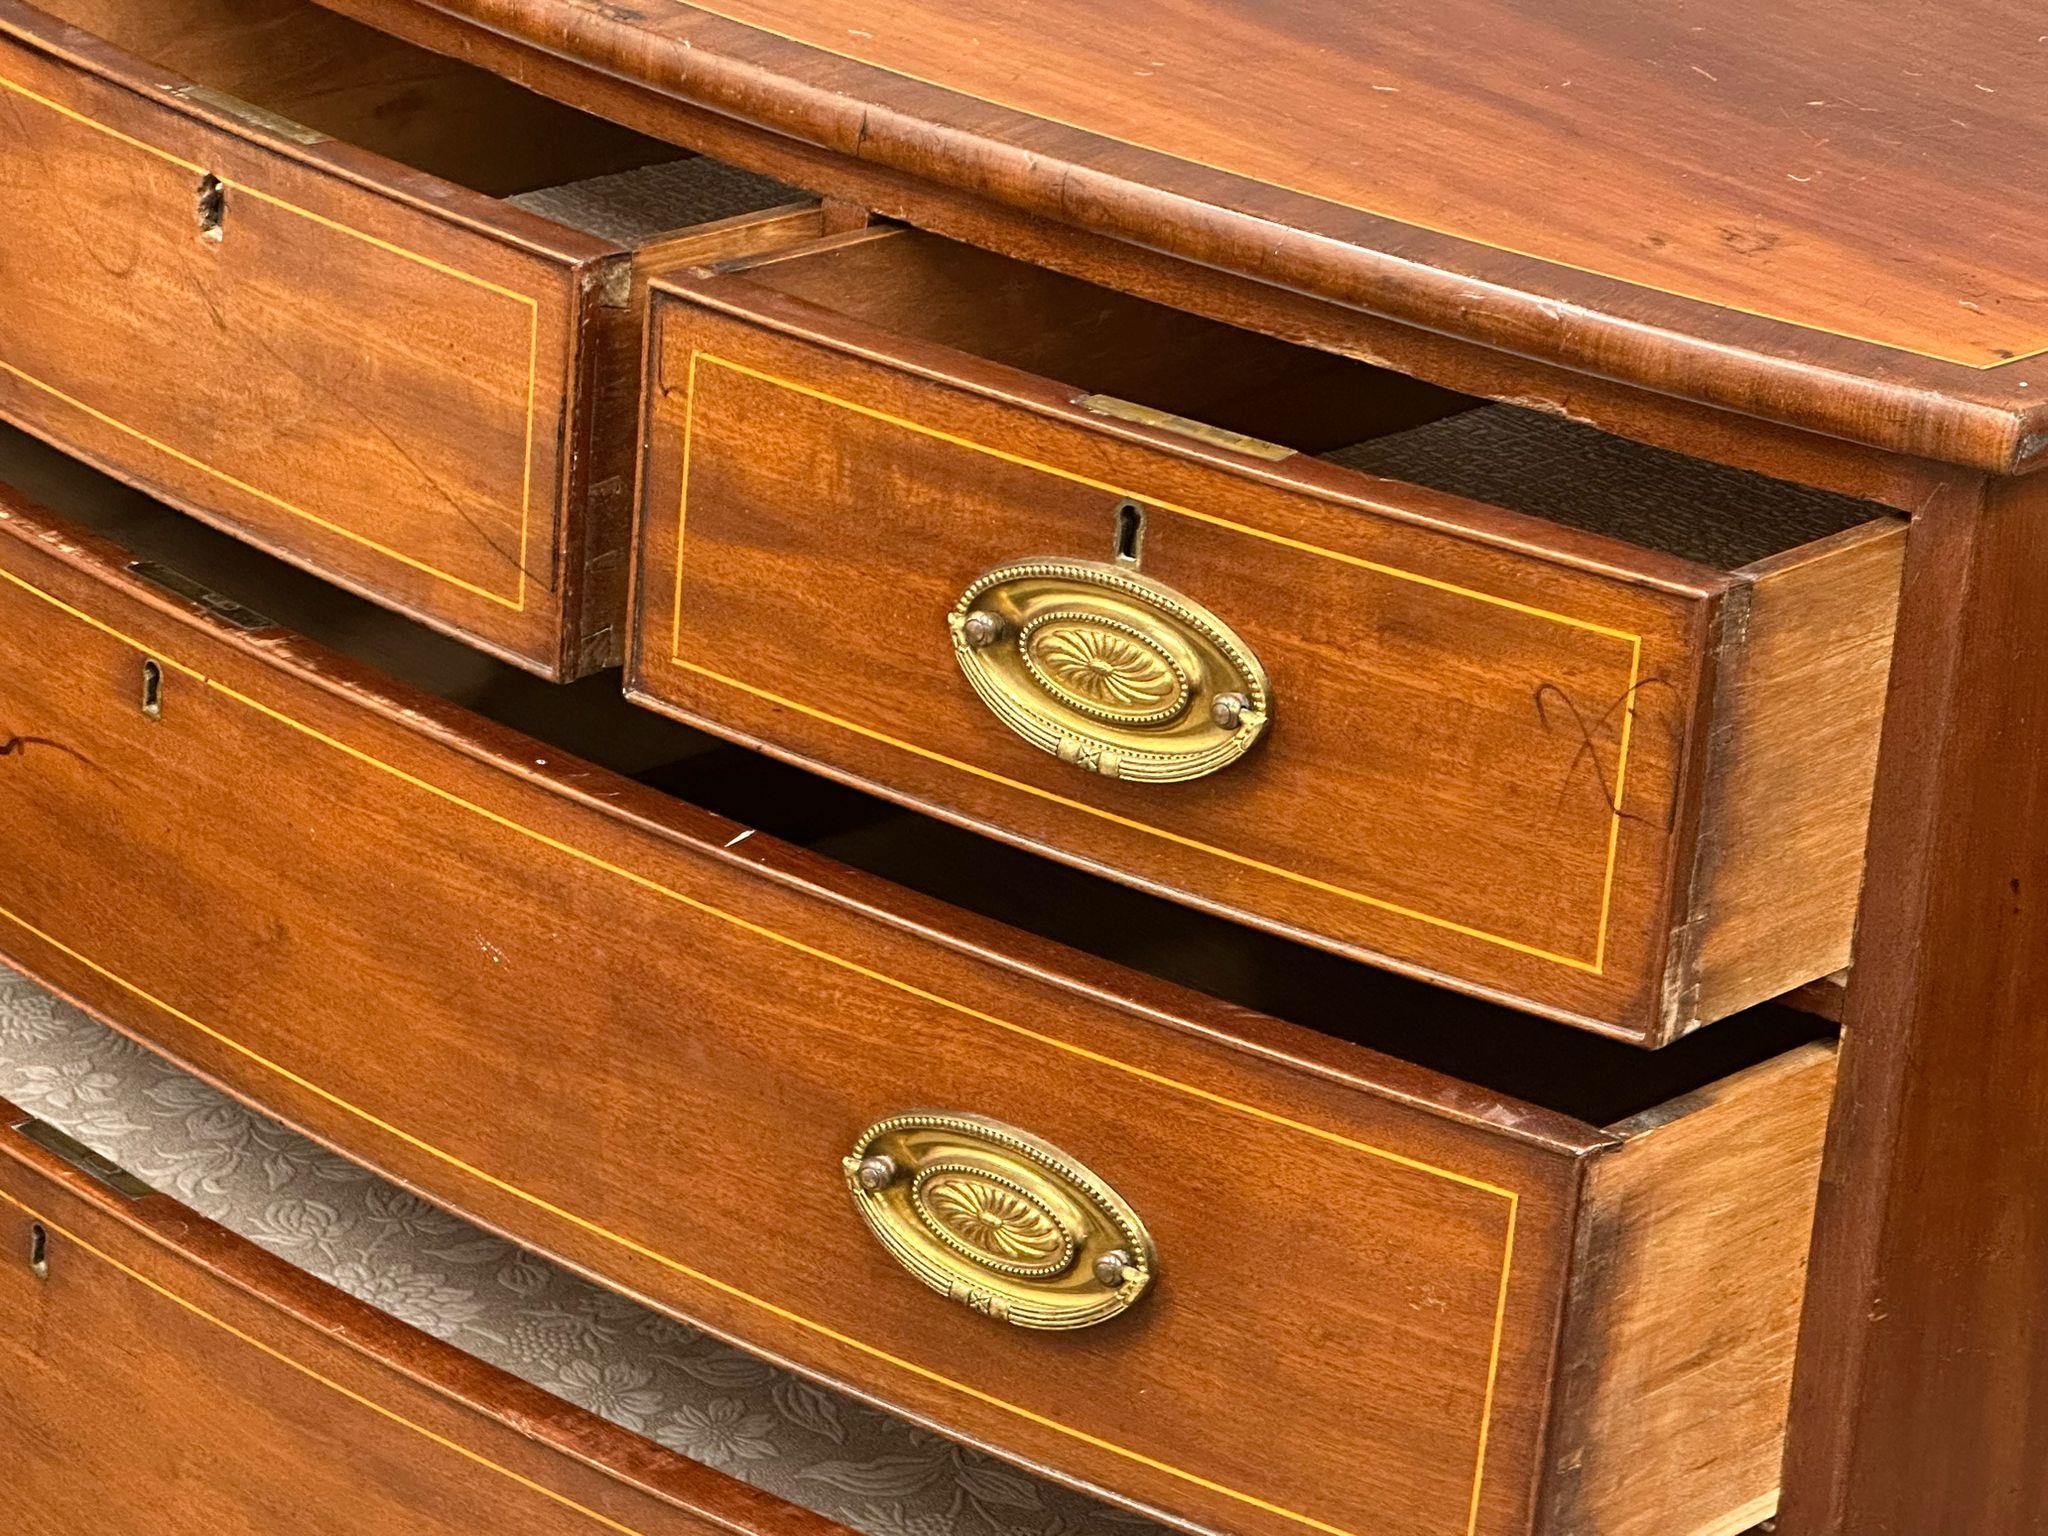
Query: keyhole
point(1130, 532)
point(39, 1251)
point(152, 688)
point(211, 206)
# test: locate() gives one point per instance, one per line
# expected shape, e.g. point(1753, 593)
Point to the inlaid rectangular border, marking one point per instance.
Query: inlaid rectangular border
point(516, 600)
point(1511, 1199)
point(1595, 964)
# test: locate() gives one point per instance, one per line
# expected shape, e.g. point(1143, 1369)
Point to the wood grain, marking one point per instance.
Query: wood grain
point(905, 283)
point(1793, 754)
point(387, 377)
point(170, 1379)
point(611, 415)
point(1676, 1368)
point(1919, 1404)
point(1776, 213)
point(1488, 750)
point(424, 914)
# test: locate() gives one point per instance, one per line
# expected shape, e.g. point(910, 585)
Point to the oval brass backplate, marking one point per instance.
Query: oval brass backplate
point(999, 1221)
point(1109, 671)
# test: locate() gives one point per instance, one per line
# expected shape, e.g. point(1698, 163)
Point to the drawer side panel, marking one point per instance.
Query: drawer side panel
point(1793, 755)
point(1677, 1369)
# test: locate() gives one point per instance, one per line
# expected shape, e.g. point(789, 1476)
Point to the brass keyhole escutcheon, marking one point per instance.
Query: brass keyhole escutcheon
point(1109, 670)
point(152, 688)
point(999, 1221)
point(210, 207)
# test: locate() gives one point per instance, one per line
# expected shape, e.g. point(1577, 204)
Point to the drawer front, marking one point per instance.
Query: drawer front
point(359, 367)
point(564, 1005)
point(1474, 760)
point(161, 1377)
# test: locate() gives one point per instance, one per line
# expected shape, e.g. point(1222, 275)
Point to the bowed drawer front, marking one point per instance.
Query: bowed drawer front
point(160, 1376)
point(901, 521)
point(1092, 1221)
point(405, 380)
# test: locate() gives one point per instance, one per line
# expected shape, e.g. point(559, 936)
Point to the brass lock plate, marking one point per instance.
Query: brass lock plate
point(1110, 671)
point(999, 1221)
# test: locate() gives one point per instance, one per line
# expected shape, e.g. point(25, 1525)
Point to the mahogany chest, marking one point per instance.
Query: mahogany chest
point(789, 768)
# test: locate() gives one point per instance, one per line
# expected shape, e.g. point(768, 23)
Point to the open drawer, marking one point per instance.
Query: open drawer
point(1468, 691)
point(1484, 1292)
point(372, 309)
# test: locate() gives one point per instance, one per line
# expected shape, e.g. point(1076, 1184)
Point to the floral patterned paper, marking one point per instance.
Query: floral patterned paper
point(702, 1398)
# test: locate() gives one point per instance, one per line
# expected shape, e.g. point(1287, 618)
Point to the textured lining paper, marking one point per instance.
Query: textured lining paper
point(693, 1394)
point(629, 207)
point(1582, 477)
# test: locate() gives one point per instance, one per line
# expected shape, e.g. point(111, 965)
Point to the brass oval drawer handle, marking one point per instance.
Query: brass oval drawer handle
point(999, 1221)
point(1110, 671)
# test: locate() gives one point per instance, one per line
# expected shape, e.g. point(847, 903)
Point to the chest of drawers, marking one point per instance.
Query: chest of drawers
point(1230, 735)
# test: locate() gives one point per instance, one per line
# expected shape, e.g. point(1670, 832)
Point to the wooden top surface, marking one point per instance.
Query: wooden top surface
point(1750, 203)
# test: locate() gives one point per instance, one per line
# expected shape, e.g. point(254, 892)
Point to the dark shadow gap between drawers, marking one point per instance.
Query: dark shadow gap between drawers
point(1592, 1078)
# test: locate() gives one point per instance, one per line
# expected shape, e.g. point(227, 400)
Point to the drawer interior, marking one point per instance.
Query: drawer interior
point(836, 1457)
point(295, 61)
point(1593, 1079)
point(1349, 413)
